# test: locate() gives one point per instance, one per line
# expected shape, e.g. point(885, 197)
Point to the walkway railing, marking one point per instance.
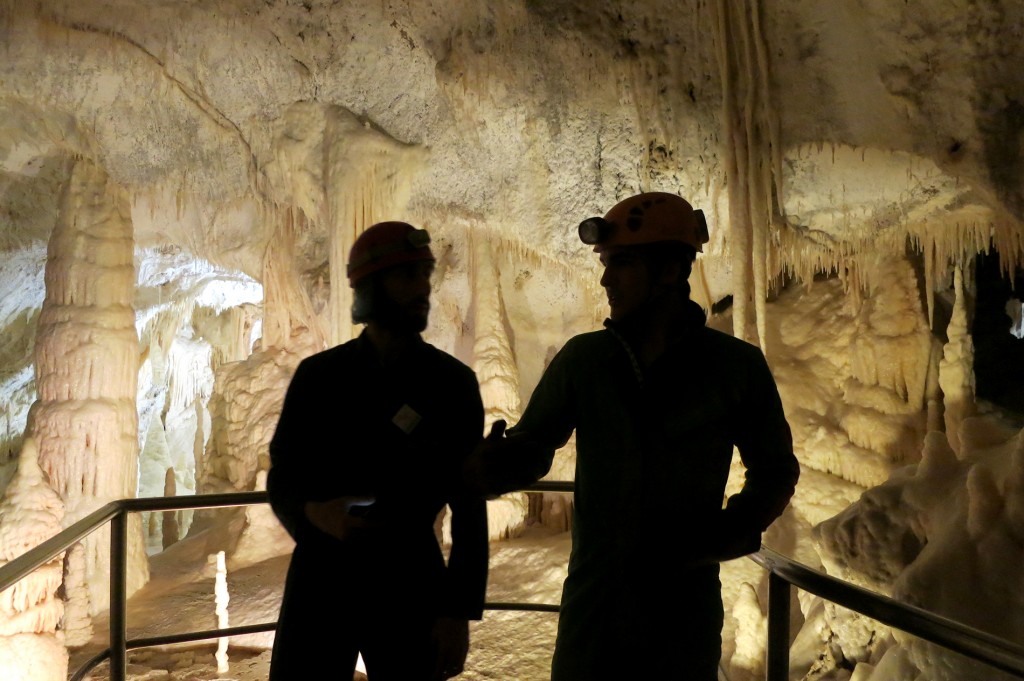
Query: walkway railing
point(783, 574)
point(949, 634)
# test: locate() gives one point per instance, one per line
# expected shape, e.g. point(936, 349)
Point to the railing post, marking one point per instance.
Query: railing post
point(778, 628)
point(119, 596)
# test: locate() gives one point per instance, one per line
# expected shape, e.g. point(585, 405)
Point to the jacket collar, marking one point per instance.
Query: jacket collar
point(692, 319)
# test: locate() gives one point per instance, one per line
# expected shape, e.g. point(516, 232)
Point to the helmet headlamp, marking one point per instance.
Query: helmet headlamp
point(418, 238)
point(593, 231)
point(701, 228)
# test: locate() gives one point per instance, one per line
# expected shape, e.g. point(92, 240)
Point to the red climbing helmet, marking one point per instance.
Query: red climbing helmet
point(384, 245)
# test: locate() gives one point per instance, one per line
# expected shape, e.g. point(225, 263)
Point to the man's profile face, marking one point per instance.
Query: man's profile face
point(405, 293)
point(626, 280)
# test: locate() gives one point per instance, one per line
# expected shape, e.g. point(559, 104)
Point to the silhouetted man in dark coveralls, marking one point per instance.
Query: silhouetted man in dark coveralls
point(369, 448)
point(657, 401)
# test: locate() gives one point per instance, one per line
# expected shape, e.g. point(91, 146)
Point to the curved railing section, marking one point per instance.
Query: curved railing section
point(783, 574)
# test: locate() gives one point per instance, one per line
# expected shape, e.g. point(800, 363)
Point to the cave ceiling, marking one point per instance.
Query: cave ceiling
point(530, 114)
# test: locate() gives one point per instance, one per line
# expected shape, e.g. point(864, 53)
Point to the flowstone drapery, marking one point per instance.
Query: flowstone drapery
point(496, 371)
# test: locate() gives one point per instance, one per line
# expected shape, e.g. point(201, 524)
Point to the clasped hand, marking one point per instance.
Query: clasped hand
point(334, 517)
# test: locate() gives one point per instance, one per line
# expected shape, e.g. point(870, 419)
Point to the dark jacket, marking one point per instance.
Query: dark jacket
point(350, 427)
point(653, 451)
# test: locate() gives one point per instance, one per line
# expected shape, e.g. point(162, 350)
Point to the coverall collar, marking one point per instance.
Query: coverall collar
point(368, 350)
point(691, 318)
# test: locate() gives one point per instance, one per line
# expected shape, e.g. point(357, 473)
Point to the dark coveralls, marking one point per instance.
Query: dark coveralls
point(351, 427)
point(642, 598)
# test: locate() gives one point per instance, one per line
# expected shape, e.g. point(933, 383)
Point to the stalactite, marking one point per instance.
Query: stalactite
point(289, 319)
point(366, 179)
point(752, 158)
point(495, 367)
point(189, 376)
point(85, 420)
point(929, 278)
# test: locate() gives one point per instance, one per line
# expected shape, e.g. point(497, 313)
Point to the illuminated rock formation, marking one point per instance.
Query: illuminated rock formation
point(86, 421)
point(853, 159)
point(31, 648)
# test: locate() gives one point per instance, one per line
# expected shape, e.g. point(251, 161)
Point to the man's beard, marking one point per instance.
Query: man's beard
point(397, 318)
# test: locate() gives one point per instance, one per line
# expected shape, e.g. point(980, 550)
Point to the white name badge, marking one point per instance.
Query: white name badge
point(406, 419)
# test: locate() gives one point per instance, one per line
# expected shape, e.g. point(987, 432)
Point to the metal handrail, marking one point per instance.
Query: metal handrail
point(783, 573)
point(116, 512)
point(171, 639)
point(52, 547)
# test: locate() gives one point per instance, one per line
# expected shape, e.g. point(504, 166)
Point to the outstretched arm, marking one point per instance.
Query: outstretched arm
point(503, 464)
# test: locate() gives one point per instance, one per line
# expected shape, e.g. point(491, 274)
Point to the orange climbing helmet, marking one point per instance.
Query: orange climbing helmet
point(384, 245)
point(646, 218)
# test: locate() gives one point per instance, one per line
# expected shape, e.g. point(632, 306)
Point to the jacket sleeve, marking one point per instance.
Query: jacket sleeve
point(286, 481)
point(546, 424)
point(466, 574)
point(765, 445)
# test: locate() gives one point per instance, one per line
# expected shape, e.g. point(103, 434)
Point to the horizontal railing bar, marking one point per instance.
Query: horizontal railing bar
point(550, 486)
point(960, 638)
point(524, 607)
point(194, 501)
point(33, 558)
point(189, 637)
point(171, 639)
point(29, 561)
point(210, 634)
point(45, 552)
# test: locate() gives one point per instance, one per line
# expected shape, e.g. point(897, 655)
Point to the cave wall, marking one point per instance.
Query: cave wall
point(853, 159)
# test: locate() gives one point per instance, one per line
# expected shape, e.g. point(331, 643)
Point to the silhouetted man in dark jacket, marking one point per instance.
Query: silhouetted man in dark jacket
point(658, 401)
point(368, 450)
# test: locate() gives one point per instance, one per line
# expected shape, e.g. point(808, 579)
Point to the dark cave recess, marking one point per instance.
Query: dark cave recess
point(998, 354)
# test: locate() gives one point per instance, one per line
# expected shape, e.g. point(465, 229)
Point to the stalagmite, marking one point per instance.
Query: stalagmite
point(87, 358)
point(31, 648)
point(751, 635)
point(956, 374)
point(222, 598)
point(1015, 311)
point(169, 527)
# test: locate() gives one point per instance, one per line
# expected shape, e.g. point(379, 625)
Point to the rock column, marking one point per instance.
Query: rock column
point(87, 360)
